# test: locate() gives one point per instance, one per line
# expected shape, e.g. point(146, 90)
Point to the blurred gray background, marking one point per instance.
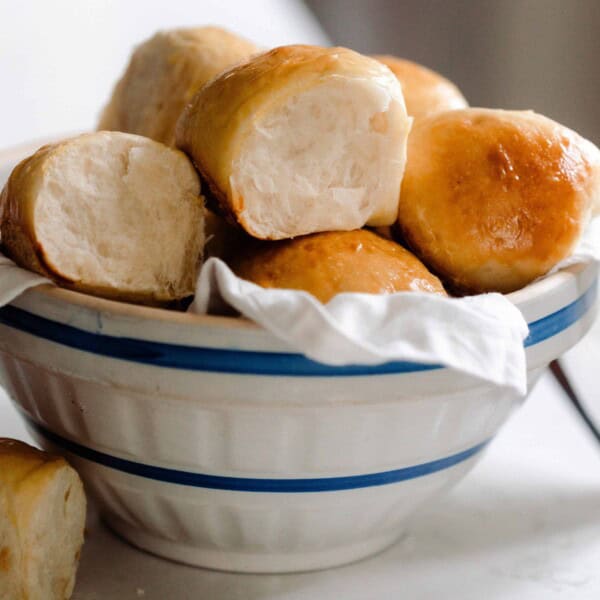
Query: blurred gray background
point(538, 54)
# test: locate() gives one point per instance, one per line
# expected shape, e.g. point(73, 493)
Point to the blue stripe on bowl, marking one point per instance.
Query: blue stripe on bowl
point(192, 358)
point(550, 325)
point(219, 360)
point(250, 484)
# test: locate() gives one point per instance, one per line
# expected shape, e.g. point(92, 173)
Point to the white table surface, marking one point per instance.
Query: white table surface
point(524, 524)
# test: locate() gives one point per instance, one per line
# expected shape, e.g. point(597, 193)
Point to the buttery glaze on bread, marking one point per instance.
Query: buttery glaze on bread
point(108, 213)
point(42, 520)
point(300, 139)
point(425, 91)
point(326, 264)
point(493, 199)
point(163, 75)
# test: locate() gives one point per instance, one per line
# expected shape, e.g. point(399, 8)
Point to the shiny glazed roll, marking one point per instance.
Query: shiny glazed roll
point(107, 213)
point(326, 264)
point(425, 91)
point(300, 139)
point(493, 199)
point(42, 520)
point(164, 73)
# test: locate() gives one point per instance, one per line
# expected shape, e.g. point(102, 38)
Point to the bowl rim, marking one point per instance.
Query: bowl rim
point(533, 291)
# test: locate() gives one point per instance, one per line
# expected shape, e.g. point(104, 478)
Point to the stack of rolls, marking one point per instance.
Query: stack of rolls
point(293, 142)
point(302, 140)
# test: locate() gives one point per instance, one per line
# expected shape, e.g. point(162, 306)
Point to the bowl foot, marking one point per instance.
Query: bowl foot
point(248, 562)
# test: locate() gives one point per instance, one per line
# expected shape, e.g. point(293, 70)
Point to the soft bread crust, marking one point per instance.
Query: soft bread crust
point(164, 73)
point(107, 213)
point(326, 264)
point(300, 139)
point(42, 520)
point(493, 199)
point(425, 91)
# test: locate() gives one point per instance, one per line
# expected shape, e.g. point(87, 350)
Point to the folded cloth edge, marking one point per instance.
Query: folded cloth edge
point(372, 329)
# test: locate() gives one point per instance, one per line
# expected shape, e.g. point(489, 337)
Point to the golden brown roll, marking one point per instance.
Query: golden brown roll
point(300, 139)
point(326, 264)
point(493, 199)
point(163, 75)
point(42, 519)
point(107, 213)
point(425, 91)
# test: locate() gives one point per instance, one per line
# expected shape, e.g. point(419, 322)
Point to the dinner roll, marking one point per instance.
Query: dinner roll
point(326, 264)
point(42, 519)
point(492, 199)
point(163, 75)
point(425, 91)
point(109, 213)
point(300, 139)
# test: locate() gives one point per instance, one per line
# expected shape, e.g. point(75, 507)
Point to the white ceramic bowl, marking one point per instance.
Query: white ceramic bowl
point(206, 440)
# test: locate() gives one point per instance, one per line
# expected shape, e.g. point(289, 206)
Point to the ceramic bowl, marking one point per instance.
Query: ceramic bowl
point(206, 440)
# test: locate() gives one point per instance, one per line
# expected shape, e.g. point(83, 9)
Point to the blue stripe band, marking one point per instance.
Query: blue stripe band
point(218, 360)
point(246, 484)
point(550, 325)
point(192, 358)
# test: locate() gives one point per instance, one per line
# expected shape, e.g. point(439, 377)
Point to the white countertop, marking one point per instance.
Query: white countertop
point(524, 524)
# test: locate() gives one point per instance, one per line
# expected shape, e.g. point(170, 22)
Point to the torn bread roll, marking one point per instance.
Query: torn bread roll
point(493, 199)
point(164, 73)
point(326, 264)
point(425, 91)
point(108, 213)
point(42, 520)
point(300, 139)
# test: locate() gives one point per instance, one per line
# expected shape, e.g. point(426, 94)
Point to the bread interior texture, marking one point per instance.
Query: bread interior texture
point(116, 213)
point(10, 560)
point(323, 159)
point(53, 537)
